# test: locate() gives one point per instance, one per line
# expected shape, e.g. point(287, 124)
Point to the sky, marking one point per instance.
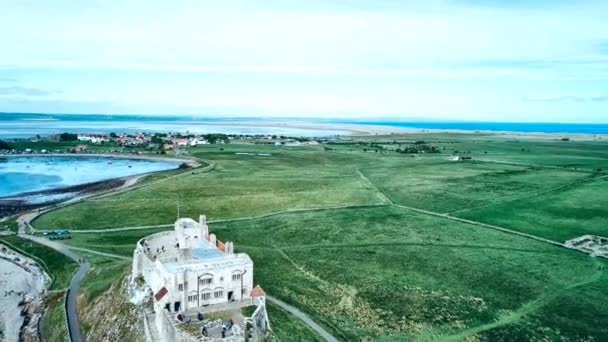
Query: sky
point(470, 60)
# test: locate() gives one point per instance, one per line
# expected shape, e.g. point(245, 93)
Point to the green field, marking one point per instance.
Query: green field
point(560, 215)
point(288, 328)
point(331, 232)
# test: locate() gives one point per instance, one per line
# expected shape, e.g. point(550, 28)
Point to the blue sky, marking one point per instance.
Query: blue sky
point(483, 60)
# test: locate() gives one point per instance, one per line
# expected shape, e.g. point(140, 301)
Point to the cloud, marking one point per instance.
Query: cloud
point(17, 90)
point(567, 98)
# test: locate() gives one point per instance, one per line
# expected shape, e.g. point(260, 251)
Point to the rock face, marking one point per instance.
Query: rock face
point(111, 316)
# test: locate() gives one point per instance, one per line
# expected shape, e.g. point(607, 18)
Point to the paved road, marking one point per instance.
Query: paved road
point(304, 317)
point(71, 308)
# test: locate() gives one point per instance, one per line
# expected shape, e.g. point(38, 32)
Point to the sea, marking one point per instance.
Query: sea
point(19, 174)
point(23, 125)
point(20, 126)
point(542, 127)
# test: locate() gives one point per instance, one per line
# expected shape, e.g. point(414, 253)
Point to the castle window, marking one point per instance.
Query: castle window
point(193, 298)
point(205, 281)
point(236, 277)
point(180, 287)
point(218, 294)
point(206, 296)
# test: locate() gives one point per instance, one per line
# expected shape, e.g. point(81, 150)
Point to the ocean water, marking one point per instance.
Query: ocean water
point(489, 126)
point(18, 125)
point(29, 125)
point(35, 173)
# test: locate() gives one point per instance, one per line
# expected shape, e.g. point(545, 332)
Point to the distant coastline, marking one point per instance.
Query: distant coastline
point(25, 125)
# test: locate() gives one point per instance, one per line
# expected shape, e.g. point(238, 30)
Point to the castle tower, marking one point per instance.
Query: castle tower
point(183, 239)
point(202, 221)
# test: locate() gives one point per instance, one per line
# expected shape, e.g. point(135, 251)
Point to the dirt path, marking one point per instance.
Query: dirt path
point(304, 317)
point(526, 309)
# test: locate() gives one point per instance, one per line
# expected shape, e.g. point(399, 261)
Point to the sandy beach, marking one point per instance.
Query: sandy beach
point(22, 285)
point(362, 130)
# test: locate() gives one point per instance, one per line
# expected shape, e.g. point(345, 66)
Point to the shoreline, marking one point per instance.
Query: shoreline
point(23, 286)
point(189, 162)
point(15, 204)
point(355, 129)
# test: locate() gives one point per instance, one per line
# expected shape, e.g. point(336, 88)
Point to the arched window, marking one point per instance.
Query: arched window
point(205, 279)
point(236, 275)
point(192, 297)
point(218, 293)
point(206, 295)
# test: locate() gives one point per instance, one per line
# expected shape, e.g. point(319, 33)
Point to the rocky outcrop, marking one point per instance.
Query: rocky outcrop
point(112, 316)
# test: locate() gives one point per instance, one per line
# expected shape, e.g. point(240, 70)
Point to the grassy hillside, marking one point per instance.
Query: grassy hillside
point(328, 230)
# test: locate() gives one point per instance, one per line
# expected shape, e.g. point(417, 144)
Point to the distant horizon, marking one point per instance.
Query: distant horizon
point(342, 119)
point(23, 125)
point(456, 60)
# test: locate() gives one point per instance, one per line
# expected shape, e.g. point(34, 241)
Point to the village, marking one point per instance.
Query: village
point(141, 142)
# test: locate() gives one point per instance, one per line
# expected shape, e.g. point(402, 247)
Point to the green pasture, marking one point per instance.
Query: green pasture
point(326, 233)
point(560, 215)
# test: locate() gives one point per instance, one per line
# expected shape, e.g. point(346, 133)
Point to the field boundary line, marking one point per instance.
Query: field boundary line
point(481, 224)
point(462, 220)
point(535, 165)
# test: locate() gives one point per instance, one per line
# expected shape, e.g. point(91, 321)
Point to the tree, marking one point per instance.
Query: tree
point(4, 145)
point(68, 137)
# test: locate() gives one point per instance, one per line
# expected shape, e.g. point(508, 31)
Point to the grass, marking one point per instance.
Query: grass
point(58, 266)
point(10, 224)
point(375, 270)
point(386, 272)
point(102, 275)
point(54, 327)
point(236, 188)
point(560, 215)
point(287, 327)
point(445, 186)
point(247, 311)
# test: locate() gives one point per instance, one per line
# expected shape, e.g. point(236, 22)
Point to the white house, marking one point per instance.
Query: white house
point(189, 268)
point(191, 273)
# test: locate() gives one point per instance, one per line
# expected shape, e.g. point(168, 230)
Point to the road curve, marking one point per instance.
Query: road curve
point(71, 308)
point(304, 317)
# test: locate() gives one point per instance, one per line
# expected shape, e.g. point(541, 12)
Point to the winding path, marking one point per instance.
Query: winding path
point(71, 308)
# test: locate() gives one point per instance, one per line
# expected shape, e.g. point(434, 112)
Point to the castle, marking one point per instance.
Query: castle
point(191, 274)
